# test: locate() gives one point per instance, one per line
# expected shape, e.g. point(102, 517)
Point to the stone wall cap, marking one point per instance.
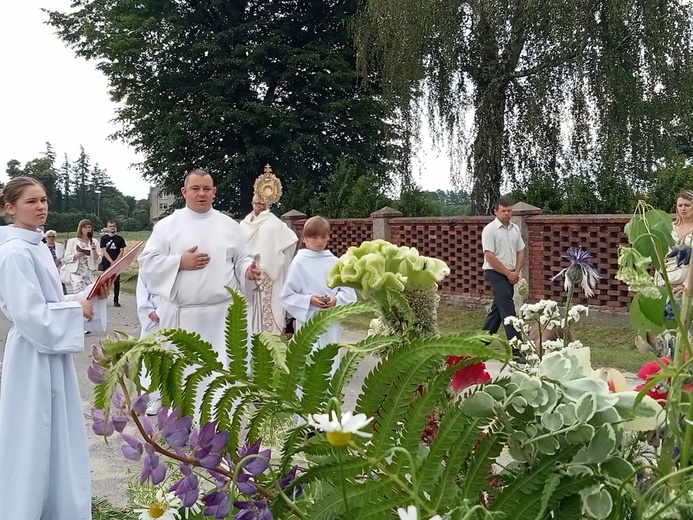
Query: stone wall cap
point(293, 214)
point(522, 208)
point(387, 211)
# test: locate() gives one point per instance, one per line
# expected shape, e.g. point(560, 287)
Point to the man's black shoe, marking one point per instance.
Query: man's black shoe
point(116, 304)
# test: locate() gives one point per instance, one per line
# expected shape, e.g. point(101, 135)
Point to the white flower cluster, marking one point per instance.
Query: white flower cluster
point(378, 327)
point(632, 270)
point(544, 312)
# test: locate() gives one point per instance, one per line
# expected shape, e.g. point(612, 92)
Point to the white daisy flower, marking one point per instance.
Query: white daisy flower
point(340, 433)
point(412, 514)
point(165, 507)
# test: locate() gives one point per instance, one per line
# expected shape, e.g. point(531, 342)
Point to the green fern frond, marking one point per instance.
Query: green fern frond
point(278, 348)
point(293, 444)
point(456, 430)
point(477, 470)
point(415, 420)
point(233, 399)
point(331, 504)
point(306, 336)
point(522, 497)
point(209, 403)
point(257, 421)
point(192, 348)
point(115, 347)
point(172, 382)
point(395, 310)
point(236, 334)
point(353, 356)
point(191, 389)
point(417, 361)
point(261, 363)
point(317, 378)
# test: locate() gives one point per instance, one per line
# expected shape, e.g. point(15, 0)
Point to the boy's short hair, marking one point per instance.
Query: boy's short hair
point(315, 227)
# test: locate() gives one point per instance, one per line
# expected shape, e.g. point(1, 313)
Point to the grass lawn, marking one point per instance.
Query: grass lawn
point(611, 345)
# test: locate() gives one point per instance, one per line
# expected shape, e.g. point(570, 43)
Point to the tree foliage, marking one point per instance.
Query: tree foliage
point(77, 190)
point(567, 87)
point(231, 86)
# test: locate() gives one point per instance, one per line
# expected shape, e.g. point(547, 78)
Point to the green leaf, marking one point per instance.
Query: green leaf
point(602, 444)
point(581, 435)
point(479, 404)
point(648, 314)
point(552, 421)
point(585, 407)
point(317, 379)
point(618, 468)
point(597, 504)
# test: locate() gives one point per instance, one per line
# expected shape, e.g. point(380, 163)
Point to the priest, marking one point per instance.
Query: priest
point(189, 259)
point(273, 243)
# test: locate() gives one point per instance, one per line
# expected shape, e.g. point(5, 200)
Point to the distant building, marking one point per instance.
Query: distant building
point(159, 202)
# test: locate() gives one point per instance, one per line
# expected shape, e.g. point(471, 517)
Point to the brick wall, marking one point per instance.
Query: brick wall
point(345, 233)
point(551, 236)
point(457, 241)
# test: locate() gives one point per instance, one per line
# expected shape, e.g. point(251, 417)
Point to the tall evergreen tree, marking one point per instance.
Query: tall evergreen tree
point(231, 86)
point(64, 175)
point(81, 173)
point(580, 87)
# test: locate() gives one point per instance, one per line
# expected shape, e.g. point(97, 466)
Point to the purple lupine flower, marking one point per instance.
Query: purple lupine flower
point(95, 373)
point(284, 481)
point(187, 488)
point(119, 422)
point(580, 270)
point(98, 352)
point(209, 444)
point(256, 509)
point(256, 466)
point(245, 485)
point(99, 425)
point(176, 431)
point(139, 405)
point(217, 504)
point(152, 467)
point(147, 425)
point(132, 449)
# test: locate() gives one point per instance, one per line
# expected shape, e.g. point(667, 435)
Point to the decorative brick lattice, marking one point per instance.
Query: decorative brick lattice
point(457, 241)
point(551, 236)
point(345, 233)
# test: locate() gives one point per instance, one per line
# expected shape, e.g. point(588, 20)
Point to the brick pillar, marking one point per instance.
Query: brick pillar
point(521, 211)
point(290, 218)
point(381, 225)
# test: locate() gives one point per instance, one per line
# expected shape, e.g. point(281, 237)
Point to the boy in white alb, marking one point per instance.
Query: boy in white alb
point(305, 291)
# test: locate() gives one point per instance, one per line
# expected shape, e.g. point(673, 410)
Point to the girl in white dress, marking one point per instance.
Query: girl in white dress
point(44, 458)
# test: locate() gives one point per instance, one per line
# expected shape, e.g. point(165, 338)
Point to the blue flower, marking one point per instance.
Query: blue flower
point(580, 270)
point(217, 504)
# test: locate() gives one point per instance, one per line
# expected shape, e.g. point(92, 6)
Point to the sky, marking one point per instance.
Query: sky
point(47, 94)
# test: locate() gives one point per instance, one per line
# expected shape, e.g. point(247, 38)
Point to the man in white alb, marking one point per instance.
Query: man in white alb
point(190, 257)
point(504, 252)
point(275, 243)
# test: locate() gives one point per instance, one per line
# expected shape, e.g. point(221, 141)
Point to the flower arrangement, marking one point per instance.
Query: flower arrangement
point(563, 427)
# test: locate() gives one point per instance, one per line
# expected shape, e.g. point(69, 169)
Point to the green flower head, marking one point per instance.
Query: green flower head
point(379, 264)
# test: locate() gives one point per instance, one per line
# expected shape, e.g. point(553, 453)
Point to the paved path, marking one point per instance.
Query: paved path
point(110, 470)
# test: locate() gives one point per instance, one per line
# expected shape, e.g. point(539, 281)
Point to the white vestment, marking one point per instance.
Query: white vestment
point(307, 276)
point(197, 301)
point(44, 456)
point(275, 242)
point(147, 302)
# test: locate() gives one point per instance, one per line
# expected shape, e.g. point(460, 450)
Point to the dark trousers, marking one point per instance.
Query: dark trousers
point(116, 289)
point(503, 304)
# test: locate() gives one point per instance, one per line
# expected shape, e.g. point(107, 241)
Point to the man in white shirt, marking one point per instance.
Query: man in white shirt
point(275, 243)
point(504, 252)
point(190, 257)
